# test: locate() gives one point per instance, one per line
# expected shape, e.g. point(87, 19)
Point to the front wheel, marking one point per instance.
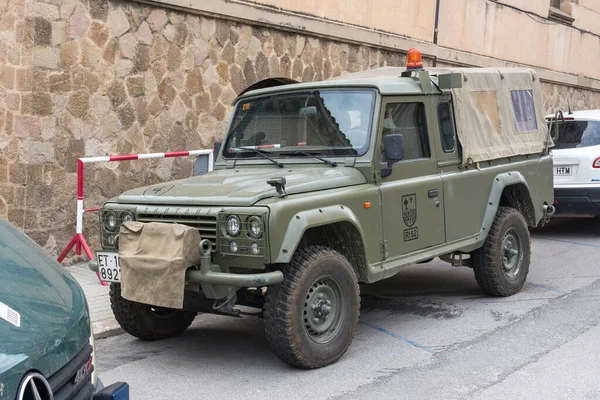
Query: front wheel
point(311, 317)
point(501, 265)
point(145, 321)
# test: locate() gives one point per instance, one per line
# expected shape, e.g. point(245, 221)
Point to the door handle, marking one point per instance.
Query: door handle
point(432, 193)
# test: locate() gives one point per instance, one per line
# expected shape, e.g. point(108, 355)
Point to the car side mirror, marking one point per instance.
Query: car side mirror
point(556, 127)
point(308, 111)
point(201, 165)
point(393, 148)
point(217, 148)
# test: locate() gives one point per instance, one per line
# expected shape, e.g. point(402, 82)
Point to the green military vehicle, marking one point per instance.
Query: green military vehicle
point(321, 186)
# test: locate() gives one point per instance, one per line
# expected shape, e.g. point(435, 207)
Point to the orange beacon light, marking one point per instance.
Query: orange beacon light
point(414, 59)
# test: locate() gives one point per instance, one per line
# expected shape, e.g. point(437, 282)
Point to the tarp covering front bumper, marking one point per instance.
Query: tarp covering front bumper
point(154, 257)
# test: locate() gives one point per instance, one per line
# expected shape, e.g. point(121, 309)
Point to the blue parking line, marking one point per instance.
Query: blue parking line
point(548, 288)
point(569, 242)
point(405, 340)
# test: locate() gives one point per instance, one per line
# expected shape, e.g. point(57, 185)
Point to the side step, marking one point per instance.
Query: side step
point(457, 259)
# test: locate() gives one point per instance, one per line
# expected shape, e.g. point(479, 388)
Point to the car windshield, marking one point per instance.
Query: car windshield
point(302, 124)
point(573, 134)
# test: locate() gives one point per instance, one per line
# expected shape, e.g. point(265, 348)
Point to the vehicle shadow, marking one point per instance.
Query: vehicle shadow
point(427, 290)
point(436, 278)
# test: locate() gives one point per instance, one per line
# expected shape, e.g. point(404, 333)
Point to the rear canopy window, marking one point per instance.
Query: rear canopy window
point(574, 134)
point(524, 108)
point(488, 105)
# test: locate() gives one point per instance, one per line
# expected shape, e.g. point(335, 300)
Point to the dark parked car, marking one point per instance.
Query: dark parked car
point(46, 341)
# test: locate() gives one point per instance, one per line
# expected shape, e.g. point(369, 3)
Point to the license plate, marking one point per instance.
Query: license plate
point(109, 267)
point(563, 171)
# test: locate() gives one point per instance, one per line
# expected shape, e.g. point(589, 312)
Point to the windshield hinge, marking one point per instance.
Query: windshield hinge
point(384, 249)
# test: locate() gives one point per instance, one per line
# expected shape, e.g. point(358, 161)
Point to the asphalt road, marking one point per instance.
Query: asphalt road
point(427, 333)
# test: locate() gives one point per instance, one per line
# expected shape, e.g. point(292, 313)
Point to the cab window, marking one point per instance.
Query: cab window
point(446, 122)
point(409, 120)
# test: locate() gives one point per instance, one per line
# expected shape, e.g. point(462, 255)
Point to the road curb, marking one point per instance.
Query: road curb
point(106, 328)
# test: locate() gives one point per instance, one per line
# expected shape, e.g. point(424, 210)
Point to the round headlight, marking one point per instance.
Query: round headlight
point(110, 221)
point(255, 227)
point(233, 247)
point(254, 248)
point(127, 217)
point(233, 225)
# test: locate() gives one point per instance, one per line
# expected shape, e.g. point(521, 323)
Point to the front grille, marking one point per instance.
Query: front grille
point(206, 224)
point(63, 382)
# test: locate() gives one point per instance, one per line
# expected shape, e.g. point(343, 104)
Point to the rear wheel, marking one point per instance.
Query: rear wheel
point(501, 265)
point(311, 317)
point(145, 321)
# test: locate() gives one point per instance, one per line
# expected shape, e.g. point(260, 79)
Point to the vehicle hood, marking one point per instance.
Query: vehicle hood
point(54, 321)
point(242, 187)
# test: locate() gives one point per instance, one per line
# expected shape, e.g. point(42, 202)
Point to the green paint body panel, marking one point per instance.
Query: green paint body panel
point(243, 186)
point(55, 324)
point(426, 207)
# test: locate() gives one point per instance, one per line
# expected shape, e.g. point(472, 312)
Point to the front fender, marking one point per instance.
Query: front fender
point(307, 219)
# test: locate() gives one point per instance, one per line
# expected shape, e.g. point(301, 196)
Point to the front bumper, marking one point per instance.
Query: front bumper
point(577, 200)
point(236, 280)
point(224, 278)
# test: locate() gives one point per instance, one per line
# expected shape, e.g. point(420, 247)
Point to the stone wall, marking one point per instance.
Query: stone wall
point(98, 77)
point(561, 96)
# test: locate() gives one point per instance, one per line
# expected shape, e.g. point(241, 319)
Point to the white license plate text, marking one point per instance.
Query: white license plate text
point(109, 267)
point(562, 170)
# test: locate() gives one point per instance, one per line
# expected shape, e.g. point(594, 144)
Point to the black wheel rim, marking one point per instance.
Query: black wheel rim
point(512, 253)
point(323, 312)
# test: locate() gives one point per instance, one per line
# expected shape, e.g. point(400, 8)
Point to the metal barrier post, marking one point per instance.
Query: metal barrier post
point(78, 240)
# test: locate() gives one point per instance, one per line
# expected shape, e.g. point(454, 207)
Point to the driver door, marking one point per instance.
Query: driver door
point(412, 195)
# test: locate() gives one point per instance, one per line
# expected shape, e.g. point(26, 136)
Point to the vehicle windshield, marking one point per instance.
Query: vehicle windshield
point(316, 122)
point(574, 134)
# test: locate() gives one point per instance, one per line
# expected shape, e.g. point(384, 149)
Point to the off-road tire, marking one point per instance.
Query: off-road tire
point(145, 321)
point(488, 260)
point(285, 310)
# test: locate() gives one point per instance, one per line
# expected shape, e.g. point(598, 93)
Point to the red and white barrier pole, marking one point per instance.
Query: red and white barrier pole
point(78, 240)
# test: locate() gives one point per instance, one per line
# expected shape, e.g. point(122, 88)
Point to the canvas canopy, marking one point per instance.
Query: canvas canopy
point(498, 113)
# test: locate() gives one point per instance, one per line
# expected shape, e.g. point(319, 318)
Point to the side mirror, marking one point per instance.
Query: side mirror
point(216, 148)
point(308, 111)
point(201, 164)
point(393, 148)
point(556, 126)
point(450, 81)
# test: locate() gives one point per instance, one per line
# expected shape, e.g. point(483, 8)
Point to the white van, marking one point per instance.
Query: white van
point(576, 156)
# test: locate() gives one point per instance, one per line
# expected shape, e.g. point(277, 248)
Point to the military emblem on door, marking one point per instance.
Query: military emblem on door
point(409, 209)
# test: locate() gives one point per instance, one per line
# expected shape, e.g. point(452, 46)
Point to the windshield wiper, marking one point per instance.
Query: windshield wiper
point(332, 163)
point(262, 153)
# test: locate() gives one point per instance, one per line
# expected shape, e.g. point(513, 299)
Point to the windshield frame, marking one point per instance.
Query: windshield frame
point(290, 152)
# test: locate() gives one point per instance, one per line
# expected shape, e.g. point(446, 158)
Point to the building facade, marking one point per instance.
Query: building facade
point(97, 77)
